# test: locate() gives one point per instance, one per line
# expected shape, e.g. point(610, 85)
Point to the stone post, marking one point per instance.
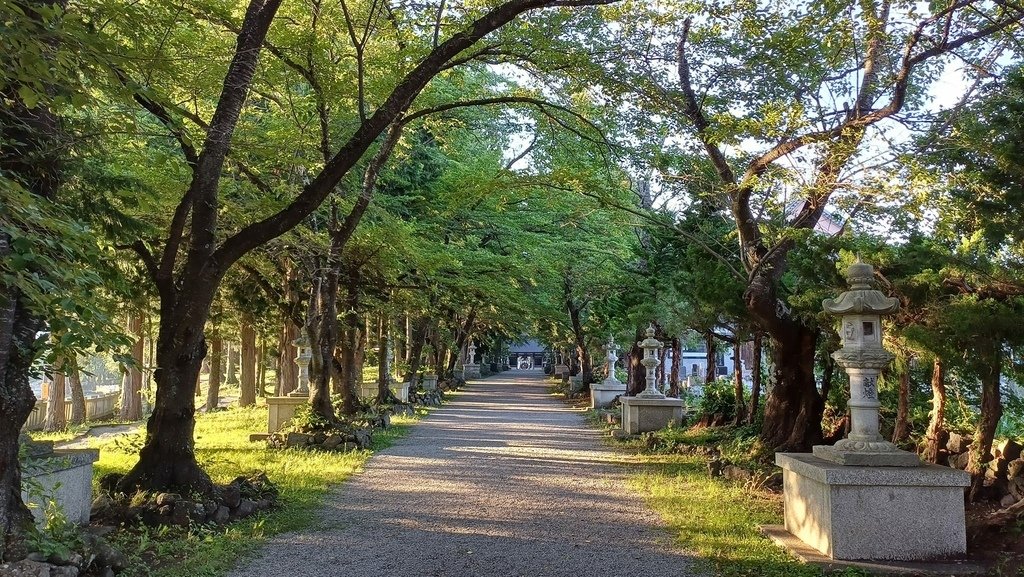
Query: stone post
point(860, 310)
point(611, 354)
point(651, 346)
point(302, 360)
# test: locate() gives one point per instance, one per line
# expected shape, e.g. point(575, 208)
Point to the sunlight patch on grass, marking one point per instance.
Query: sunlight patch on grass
point(223, 449)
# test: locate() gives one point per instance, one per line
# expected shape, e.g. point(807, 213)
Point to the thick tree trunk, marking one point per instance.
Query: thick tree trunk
point(936, 436)
point(792, 414)
point(586, 361)
point(418, 333)
point(131, 392)
point(737, 388)
point(385, 344)
point(287, 370)
point(248, 364)
point(216, 360)
point(710, 358)
point(77, 395)
point(902, 430)
point(460, 340)
point(636, 380)
point(167, 461)
point(755, 377)
point(991, 412)
point(55, 409)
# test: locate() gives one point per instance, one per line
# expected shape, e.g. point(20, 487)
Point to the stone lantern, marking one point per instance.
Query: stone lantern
point(860, 310)
point(864, 498)
point(603, 394)
point(302, 360)
point(651, 346)
point(471, 370)
point(650, 410)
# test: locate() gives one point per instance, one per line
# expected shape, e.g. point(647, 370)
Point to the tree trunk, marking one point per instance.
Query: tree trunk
point(248, 364)
point(418, 334)
point(231, 352)
point(287, 370)
point(737, 369)
point(792, 414)
point(636, 380)
point(677, 355)
point(261, 369)
point(711, 370)
point(902, 430)
point(350, 369)
point(385, 358)
point(755, 377)
point(167, 460)
point(216, 360)
point(77, 395)
point(55, 410)
point(991, 411)
point(131, 392)
point(936, 436)
point(460, 340)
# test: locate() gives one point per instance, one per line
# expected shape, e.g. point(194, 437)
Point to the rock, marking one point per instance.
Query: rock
point(1007, 500)
point(716, 467)
point(106, 572)
point(65, 571)
point(181, 513)
point(958, 443)
point(1008, 450)
point(734, 473)
point(66, 558)
point(297, 440)
point(1014, 468)
point(245, 508)
point(363, 438)
point(385, 420)
point(231, 495)
point(209, 507)
point(959, 461)
point(37, 557)
point(1015, 487)
point(166, 510)
point(167, 499)
point(221, 515)
point(100, 505)
point(332, 442)
point(774, 481)
point(264, 504)
point(319, 438)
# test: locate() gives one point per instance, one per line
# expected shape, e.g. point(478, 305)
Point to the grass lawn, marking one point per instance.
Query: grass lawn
point(223, 448)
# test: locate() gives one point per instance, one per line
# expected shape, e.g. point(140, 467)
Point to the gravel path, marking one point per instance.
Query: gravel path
point(504, 481)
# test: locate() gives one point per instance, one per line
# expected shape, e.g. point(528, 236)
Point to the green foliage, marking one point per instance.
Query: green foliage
point(718, 397)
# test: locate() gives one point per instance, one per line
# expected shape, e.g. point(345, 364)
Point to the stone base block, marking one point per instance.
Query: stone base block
point(401, 390)
point(64, 477)
point(891, 513)
point(281, 410)
point(471, 371)
point(602, 395)
point(866, 458)
point(429, 382)
point(368, 391)
point(560, 370)
point(641, 415)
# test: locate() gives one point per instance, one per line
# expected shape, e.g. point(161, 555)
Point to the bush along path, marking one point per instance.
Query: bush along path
point(502, 481)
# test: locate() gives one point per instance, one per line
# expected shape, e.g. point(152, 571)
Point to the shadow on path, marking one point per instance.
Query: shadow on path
point(503, 481)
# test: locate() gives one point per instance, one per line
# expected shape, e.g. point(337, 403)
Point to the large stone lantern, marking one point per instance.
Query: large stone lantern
point(471, 370)
point(860, 310)
point(651, 346)
point(305, 354)
point(864, 498)
point(603, 394)
point(650, 410)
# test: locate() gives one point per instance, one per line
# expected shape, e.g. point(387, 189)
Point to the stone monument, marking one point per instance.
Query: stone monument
point(603, 394)
point(471, 370)
point(560, 367)
point(864, 498)
point(280, 410)
point(650, 410)
point(429, 382)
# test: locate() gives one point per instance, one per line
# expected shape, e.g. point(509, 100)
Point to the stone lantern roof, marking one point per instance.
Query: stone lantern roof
point(862, 298)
